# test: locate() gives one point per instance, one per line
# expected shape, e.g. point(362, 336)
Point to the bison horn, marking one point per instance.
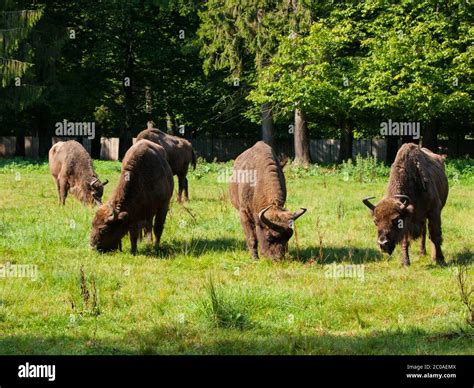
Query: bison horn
point(405, 199)
point(297, 214)
point(369, 204)
point(105, 182)
point(265, 220)
point(93, 182)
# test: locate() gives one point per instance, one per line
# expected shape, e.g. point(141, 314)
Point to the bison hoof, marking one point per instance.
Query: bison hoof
point(406, 263)
point(423, 252)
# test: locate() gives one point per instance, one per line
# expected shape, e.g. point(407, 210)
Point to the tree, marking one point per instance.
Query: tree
point(312, 74)
point(242, 38)
point(17, 90)
point(420, 66)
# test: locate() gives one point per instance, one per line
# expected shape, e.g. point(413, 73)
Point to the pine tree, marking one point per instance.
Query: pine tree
point(15, 26)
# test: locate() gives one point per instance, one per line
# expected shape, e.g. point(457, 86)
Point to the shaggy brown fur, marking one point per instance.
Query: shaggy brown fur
point(257, 189)
point(417, 191)
point(179, 153)
point(71, 167)
point(143, 192)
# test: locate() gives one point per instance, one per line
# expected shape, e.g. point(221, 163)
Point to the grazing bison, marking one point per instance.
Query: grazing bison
point(143, 192)
point(417, 191)
point(257, 189)
point(71, 167)
point(179, 153)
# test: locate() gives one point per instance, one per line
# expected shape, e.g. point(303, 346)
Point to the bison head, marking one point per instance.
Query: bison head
point(108, 227)
point(274, 229)
point(96, 191)
point(390, 216)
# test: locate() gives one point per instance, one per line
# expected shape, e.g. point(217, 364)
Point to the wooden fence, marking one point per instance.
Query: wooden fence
point(322, 150)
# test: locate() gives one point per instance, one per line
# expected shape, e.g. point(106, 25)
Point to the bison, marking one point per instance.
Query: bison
point(72, 170)
point(417, 191)
point(179, 153)
point(144, 191)
point(258, 190)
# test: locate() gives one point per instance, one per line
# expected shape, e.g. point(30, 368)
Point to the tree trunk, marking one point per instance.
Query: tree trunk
point(20, 142)
point(95, 147)
point(430, 136)
point(126, 135)
point(392, 149)
point(267, 125)
point(302, 153)
point(42, 132)
point(347, 137)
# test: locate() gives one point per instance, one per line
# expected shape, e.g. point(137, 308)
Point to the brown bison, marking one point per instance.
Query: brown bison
point(417, 191)
point(258, 190)
point(143, 193)
point(179, 153)
point(71, 167)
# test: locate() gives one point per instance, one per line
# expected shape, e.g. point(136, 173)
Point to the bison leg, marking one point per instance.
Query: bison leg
point(423, 239)
point(58, 189)
point(186, 193)
point(134, 233)
point(434, 226)
point(159, 225)
point(148, 230)
point(405, 247)
point(180, 187)
point(63, 189)
point(250, 235)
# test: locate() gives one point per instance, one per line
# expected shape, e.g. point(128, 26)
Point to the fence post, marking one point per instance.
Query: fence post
point(7, 146)
point(109, 148)
point(31, 147)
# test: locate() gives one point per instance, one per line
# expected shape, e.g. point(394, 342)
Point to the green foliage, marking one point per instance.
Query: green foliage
point(364, 169)
point(460, 169)
point(368, 61)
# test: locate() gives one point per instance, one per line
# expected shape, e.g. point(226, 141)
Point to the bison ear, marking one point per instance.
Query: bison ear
point(123, 216)
point(298, 213)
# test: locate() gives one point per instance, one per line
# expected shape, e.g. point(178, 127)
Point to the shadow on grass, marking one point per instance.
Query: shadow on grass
point(171, 339)
point(465, 257)
point(193, 248)
point(330, 255)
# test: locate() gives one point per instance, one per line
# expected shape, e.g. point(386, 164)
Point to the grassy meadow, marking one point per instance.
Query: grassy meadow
point(202, 294)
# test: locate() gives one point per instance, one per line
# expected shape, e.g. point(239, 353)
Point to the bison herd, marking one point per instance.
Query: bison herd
point(416, 194)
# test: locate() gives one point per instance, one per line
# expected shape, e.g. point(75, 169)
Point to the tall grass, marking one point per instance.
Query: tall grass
point(223, 309)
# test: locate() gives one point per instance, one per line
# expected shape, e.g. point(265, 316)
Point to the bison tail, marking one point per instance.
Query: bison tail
point(194, 159)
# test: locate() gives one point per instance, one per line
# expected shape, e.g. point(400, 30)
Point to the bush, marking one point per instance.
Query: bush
point(364, 169)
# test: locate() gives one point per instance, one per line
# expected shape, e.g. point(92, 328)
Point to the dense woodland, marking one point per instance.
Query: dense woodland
point(268, 69)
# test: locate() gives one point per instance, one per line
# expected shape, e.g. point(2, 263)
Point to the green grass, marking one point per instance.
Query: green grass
point(202, 294)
